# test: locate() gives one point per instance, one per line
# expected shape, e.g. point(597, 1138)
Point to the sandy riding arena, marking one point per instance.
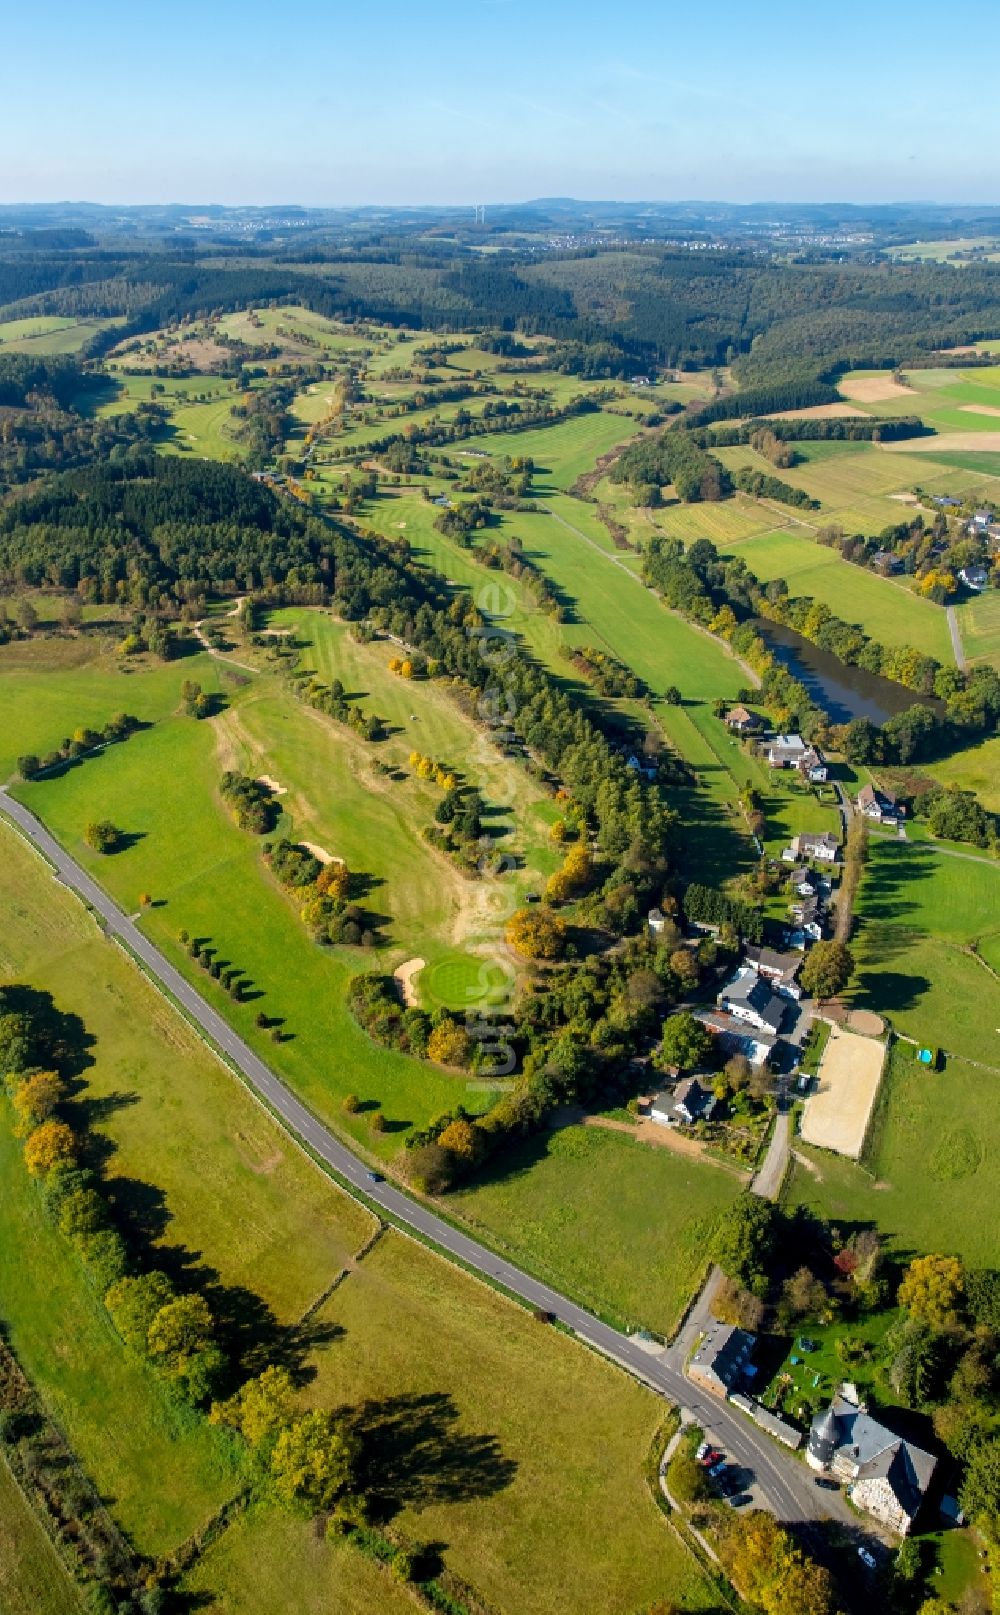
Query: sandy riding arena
point(836, 1115)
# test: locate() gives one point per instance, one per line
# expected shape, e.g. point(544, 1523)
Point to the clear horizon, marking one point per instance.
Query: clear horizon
point(498, 101)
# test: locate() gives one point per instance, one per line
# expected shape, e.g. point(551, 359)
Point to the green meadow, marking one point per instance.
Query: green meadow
point(979, 625)
point(919, 910)
point(47, 334)
point(32, 1578)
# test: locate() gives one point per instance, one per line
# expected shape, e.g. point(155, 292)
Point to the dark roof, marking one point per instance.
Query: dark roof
point(749, 988)
point(876, 1450)
point(781, 964)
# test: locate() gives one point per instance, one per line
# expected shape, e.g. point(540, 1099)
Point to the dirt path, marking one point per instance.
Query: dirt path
point(956, 638)
point(670, 1138)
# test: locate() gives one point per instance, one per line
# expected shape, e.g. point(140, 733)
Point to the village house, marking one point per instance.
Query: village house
point(813, 765)
point(981, 520)
point(885, 562)
point(802, 879)
point(751, 998)
point(722, 1359)
point(880, 804)
point(822, 846)
point(780, 969)
point(807, 912)
point(690, 1101)
point(974, 578)
point(885, 1475)
point(656, 920)
point(744, 722)
point(737, 1036)
point(785, 751)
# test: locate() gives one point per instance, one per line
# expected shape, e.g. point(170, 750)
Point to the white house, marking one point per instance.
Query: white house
point(785, 751)
point(751, 998)
point(780, 969)
point(885, 1475)
point(691, 1101)
point(880, 805)
point(813, 766)
point(823, 847)
point(743, 721)
point(737, 1036)
point(974, 578)
point(656, 920)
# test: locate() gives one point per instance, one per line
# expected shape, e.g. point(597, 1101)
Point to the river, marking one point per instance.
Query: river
point(843, 692)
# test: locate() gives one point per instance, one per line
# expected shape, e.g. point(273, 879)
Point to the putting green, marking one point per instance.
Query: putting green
point(461, 981)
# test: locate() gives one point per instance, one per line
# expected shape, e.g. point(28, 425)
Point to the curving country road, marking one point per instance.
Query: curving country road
point(787, 1485)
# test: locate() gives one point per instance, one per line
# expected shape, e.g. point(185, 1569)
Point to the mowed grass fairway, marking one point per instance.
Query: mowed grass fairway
point(529, 1464)
point(32, 1578)
point(622, 1226)
point(889, 612)
point(933, 1170)
point(919, 909)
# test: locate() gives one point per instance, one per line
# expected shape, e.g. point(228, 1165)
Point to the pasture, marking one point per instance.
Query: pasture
point(931, 1167)
point(886, 609)
point(976, 768)
point(919, 909)
point(502, 1436)
point(47, 334)
point(648, 1212)
point(979, 625)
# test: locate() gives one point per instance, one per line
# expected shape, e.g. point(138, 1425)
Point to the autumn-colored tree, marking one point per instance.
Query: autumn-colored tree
point(35, 1099)
point(827, 969)
point(572, 877)
point(260, 1409)
point(333, 880)
point(313, 1461)
point(51, 1144)
point(537, 933)
point(350, 1104)
point(685, 967)
point(770, 1571)
point(102, 836)
point(463, 1140)
point(933, 1290)
point(449, 1044)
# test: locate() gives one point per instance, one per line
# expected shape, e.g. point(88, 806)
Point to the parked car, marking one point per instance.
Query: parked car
point(867, 1558)
point(711, 1456)
point(716, 1469)
point(703, 1451)
point(827, 1485)
point(374, 1177)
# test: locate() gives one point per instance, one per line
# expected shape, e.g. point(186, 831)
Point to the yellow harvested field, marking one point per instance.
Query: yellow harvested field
point(873, 389)
point(979, 409)
point(835, 1116)
point(946, 443)
point(816, 412)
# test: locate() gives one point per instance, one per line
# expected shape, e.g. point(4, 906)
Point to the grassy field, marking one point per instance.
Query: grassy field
point(271, 1563)
point(32, 1578)
point(647, 1210)
point(49, 333)
point(509, 1443)
point(919, 908)
point(977, 768)
point(979, 626)
point(464, 1426)
point(890, 612)
point(933, 1168)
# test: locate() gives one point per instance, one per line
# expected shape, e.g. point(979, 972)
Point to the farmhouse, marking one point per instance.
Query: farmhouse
point(811, 844)
point(886, 1476)
point(785, 751)
point(689, 1102)
point(736, 1036)
point(744, 722)
point(751, 998)
point(722, 1359)
point(780, 969)
point(882, 805)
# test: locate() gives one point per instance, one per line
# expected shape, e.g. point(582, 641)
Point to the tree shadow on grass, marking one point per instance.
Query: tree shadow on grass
point(61, 1039)
point(415, 1452)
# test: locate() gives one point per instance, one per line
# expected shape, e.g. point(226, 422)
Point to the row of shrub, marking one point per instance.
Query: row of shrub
point(83, 740)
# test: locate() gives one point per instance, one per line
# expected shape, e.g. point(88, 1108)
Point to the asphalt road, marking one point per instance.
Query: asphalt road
point(787, 1485)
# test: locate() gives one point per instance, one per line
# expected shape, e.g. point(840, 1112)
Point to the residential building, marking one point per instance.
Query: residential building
point(810, 844)
point(807, 912)
point(744, 722)
point(736, 1036)
point(887, 563)
point(785, 751)
point(751, 998)
point(780, 969)
point(981, 520)
point(813, 765)
point(974, 578)
point(656, 920)
point(879, 803)
point(885, 1475)
point(722, 1358)
point(690, 1101)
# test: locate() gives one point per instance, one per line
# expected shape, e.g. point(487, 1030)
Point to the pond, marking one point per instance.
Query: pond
point(843, 692)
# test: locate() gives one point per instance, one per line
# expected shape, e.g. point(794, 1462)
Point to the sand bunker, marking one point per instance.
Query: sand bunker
point(979, 409)
point(272, 784)
point(404, 974)
point(816, 412)
point(873, 389)
point(836, 1115)
point(947, 443)
point(320, 853)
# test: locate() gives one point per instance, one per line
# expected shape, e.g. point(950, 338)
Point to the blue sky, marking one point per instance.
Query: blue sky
point(395, 101)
